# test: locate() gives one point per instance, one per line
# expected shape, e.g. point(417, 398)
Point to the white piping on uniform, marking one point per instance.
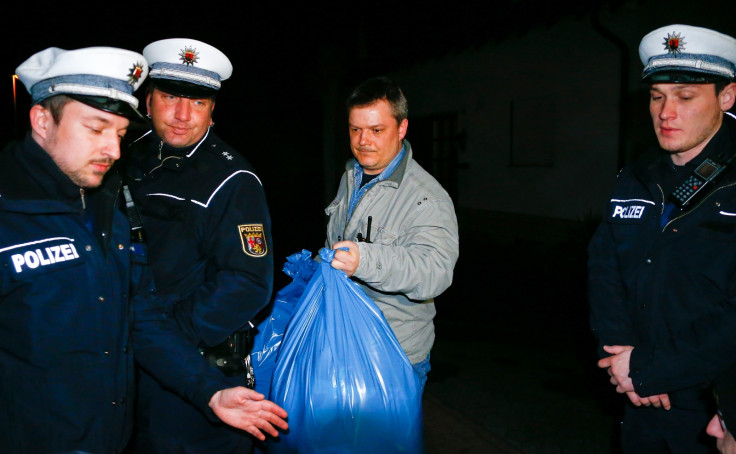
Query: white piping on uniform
point(15, 246)
point(633, 200)
point(223, 183)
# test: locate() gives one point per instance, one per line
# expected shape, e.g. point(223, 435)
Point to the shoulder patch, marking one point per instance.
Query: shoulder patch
point(254, 239)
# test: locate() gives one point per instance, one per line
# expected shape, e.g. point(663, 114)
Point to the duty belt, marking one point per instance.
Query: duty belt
point(232, 357)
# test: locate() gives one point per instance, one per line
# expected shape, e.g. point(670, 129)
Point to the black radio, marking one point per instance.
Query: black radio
point(702, 177)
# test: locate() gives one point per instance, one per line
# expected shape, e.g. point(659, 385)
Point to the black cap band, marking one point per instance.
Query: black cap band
point(183, 89)
point(114, 106)
point(683, 77)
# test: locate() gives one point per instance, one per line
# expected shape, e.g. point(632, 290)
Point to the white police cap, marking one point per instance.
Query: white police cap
point(187, 67)
point(686, 54)
point(102, 77)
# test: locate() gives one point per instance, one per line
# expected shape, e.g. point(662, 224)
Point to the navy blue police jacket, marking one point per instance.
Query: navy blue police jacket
point(68, 324)
point(208, 230)
point(667, 286)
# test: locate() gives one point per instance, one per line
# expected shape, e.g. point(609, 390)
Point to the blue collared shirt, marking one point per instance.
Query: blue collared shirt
point(359, 191)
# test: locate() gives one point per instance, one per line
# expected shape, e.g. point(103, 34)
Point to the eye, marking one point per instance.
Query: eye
point(377, 131)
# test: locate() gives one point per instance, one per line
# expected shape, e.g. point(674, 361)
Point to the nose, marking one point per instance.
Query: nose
point(110, 142)
point(714, 428)
point(363, 139)
point(183, 110)
point(668, 110)
point(111, 149)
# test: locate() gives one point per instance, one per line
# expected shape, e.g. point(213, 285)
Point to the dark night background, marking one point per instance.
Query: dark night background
point(283, 55)
point(513, 361)
point(271, 108)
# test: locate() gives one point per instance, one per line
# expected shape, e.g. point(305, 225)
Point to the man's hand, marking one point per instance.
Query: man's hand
point(657, 400)
point(618, 368)
point(346, 261)
point(247, 410)
point(725, 443)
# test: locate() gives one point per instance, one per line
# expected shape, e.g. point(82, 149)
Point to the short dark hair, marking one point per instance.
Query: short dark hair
point(55, 105)
point(721, 84)
point(376, 89)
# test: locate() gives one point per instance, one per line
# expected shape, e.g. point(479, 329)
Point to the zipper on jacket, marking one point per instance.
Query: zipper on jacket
point(160, 147)
point(81, 196)
point(661, 191)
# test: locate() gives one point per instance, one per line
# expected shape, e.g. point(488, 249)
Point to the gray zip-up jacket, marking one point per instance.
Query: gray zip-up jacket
point(413, 249)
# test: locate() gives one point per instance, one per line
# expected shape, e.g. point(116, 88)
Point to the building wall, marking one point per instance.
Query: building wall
point(548, 116)
point(557, 88)
point(547, 100)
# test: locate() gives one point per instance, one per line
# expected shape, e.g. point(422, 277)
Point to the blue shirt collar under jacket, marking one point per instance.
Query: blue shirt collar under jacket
point(358, 191)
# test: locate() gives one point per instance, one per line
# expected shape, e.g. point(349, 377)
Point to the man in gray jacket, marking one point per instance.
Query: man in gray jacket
point(396, 220)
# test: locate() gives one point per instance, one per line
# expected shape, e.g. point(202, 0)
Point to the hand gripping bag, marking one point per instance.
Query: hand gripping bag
point(270, 331)
point(342, 376)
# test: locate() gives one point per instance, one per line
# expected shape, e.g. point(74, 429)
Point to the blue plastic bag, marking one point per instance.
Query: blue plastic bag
point(267, 341)
point(342, 376)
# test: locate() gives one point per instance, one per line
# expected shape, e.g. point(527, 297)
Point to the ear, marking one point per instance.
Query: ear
point(148, 103)
point(212, 110)
point(403, 126)
point(41, 120)
point(727, 97)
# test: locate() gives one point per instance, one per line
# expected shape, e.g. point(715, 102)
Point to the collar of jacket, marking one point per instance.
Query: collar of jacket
point(171, 157)
point(719, 148)
point(29, 173)
point(31, 182)
point(398, 174)
point(183, 152)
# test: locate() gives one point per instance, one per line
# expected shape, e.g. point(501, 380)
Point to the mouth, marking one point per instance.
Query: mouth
point(179, 130)
point(667, 131)
point(178, 127)
point(101, 166)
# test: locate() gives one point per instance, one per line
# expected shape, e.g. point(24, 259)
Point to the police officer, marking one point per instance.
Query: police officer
point(662, 264)
point(66, 311)
point(206, 221)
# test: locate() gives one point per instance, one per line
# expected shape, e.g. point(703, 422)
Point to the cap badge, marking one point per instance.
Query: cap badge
point(674, 43)
point(189, 56)
point(135, 73)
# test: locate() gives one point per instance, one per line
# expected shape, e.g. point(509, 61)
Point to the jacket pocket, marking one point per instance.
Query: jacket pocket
point(720, 227)
point(382, 235)
point(166, 207)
